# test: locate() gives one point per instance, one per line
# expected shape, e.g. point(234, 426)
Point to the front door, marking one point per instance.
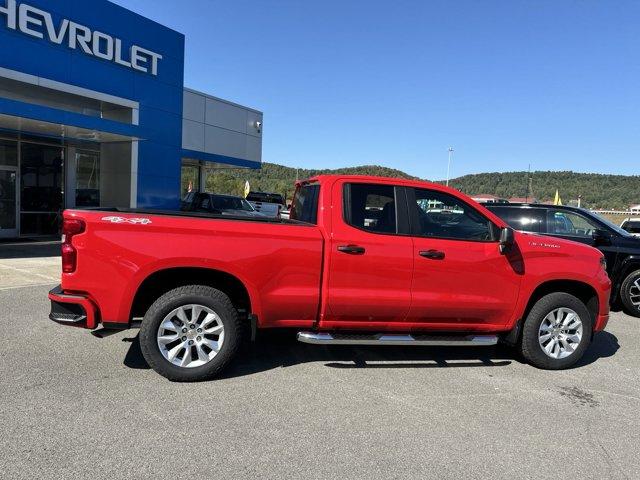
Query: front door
point(461, 280)
point(370, 260)
point(8, 202)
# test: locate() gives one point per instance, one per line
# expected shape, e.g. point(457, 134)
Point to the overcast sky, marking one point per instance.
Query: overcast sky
point(551, 83)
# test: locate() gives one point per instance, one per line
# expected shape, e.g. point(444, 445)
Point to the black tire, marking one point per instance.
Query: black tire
point(191, 294)
point(530, 346)
point(626, 290)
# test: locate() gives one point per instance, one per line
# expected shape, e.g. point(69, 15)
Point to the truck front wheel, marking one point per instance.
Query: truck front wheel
point(557, 332)
point(630, 294)
point(190, 333)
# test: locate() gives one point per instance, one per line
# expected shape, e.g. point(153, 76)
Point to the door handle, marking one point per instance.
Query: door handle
point(351, 249)
point(432, 254)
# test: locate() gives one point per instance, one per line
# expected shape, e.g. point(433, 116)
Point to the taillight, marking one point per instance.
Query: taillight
point(70, 227)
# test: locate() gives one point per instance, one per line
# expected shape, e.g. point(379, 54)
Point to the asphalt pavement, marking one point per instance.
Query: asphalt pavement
point(76, 406)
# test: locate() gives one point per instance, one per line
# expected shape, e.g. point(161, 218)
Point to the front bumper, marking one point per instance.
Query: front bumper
point(75, 310)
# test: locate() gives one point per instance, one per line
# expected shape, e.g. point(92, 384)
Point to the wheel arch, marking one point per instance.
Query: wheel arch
point(161, 281)
point(581, 290)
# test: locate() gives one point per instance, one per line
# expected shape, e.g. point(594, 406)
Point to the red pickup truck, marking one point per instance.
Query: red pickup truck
point(362, 260)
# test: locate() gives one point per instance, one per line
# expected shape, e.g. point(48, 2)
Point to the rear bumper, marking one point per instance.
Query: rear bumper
point(75, 310)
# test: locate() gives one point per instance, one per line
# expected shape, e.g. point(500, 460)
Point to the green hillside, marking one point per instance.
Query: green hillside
point(280, 179)
point(597, 190)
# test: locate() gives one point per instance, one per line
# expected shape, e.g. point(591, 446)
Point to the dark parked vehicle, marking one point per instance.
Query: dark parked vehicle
point(620, 248)
point(269, 204)
point(218, 205)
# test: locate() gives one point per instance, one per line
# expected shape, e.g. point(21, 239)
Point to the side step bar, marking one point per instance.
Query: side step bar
point(324, 338)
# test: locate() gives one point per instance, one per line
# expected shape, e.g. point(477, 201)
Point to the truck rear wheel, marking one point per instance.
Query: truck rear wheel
point(557, 332)
point(190, 333)
point(630, 294)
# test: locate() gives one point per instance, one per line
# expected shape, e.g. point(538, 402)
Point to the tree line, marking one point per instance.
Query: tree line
point(598, 191)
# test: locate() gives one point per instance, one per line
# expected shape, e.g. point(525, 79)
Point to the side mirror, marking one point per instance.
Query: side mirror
point(507, 239)
point(601, 237)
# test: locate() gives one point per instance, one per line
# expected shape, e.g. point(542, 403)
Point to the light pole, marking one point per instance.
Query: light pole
point(449, 164)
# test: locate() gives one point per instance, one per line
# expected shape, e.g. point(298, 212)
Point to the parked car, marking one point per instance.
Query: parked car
point(620, 248)
point(269, 204)
point(218, 205)
point(363, 260)
point(631, 225)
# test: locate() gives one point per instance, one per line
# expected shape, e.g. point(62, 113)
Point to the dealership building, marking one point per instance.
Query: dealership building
point(94, 112)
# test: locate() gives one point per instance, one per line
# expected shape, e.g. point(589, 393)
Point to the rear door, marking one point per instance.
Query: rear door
point(370, 260)
point(461, 280)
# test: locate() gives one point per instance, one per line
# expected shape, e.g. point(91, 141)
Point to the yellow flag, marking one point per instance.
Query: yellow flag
point(247, 189)
point(557, 200)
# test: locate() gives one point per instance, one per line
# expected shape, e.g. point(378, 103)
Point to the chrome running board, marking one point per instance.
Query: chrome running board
point(324, 338)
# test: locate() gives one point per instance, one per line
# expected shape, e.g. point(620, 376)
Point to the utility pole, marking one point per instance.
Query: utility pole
point(449, 164)
point(527, 185)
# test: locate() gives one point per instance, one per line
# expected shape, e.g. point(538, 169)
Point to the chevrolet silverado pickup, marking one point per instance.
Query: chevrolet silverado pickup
point(362, 260)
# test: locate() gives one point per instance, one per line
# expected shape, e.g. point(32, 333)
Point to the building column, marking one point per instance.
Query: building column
point(70, 177)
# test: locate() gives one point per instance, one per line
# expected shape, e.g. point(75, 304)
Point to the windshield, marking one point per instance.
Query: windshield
point(231, 203)
point(632, 227)
point(609, 224)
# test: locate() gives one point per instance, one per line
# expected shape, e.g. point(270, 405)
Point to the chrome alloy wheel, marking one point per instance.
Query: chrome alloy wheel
point(190, 336)
point(634, 293)
point(560, 333)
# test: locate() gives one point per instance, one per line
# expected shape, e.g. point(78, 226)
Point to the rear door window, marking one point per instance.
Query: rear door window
point(371, 207)
point(526, 219)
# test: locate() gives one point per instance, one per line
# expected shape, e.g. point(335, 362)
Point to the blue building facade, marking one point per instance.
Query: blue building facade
point(94, 112)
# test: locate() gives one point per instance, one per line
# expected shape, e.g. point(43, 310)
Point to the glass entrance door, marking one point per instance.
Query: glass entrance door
point(8, 188)
point(41, 194)
point(8, 202)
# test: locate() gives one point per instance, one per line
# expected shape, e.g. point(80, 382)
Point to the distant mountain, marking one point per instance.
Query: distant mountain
point(597, 190)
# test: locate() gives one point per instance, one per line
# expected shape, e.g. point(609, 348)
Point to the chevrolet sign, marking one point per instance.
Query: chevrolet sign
point(38, 23)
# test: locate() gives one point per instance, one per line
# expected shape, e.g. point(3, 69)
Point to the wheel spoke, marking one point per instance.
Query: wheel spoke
point(546, 327)
point(202, 355)
point(165, 339)
point(182, 316)
point(568, 347)
point(570, 318)
point(212, 344)
point(167, 324)
point(186, 358)
point(208, 319)
point(550, 346)
point(195, 313)
point(216, 329)
point(545, 337)
point(173, 353)
point(573, 338)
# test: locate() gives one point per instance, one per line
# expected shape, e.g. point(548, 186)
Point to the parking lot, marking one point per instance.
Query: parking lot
point(73, 405)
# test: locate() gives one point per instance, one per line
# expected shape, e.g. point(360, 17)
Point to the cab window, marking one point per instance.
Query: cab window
point(370, 207)
point(525, 219)
point(442, 215)
point(562, 222)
